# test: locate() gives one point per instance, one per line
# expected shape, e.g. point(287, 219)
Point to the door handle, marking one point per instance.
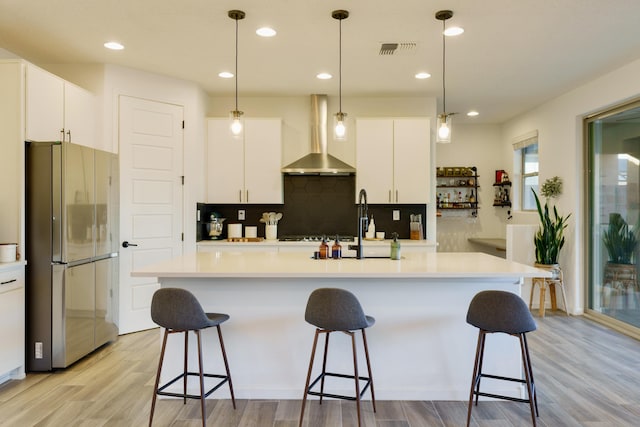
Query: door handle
point(126, 244)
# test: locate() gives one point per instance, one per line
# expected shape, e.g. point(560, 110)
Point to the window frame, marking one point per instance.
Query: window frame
point(520, 144)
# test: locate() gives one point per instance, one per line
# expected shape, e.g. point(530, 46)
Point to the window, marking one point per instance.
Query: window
point(529, 158)
point(526, 165)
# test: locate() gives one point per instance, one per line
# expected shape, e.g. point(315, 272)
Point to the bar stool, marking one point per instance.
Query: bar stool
point(505, 312)
point(177, 310)
point(337, 310)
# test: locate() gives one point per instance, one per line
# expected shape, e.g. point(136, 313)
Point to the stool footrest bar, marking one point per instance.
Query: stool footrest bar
point(161, 391)
point(338, 396)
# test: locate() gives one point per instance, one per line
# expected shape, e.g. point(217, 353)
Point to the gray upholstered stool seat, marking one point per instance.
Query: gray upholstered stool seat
point(337, 310)
point(178, 311)
point(501, 312)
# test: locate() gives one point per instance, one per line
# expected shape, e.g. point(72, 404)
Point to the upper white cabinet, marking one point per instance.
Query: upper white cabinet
point(393, 160)
point(245, 170)
point(55, 106)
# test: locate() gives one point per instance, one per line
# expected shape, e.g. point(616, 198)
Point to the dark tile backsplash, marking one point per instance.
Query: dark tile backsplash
point(314, 205)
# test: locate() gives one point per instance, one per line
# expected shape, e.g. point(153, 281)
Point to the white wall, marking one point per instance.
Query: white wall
point(560, 136)
point(480, 146)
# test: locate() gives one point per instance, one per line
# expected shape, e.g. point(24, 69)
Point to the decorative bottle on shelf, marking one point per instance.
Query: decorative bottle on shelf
point(336, 249)
point(472, 198)
point(324, 249)
point(395, 247)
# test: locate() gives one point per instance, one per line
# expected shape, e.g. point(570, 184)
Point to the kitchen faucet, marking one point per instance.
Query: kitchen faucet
point(363, 222)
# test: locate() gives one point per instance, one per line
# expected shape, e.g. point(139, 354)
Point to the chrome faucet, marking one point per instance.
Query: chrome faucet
point(363, 223)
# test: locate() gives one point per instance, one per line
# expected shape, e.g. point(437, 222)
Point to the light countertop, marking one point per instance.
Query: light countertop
point(301, 265)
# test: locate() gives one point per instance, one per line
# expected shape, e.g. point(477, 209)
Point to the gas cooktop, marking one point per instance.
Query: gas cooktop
point(314, 238)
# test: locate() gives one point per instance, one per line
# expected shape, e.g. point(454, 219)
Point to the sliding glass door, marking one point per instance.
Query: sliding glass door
point(613, 206)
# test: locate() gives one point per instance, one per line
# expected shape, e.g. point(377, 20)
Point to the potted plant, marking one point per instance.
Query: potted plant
point(549, 238)
point(620, 240)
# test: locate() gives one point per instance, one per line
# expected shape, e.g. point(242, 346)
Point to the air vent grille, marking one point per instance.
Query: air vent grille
point(397, 48)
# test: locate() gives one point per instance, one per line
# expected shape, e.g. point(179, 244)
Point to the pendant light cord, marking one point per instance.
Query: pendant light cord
point(340, 69)
point(444, 90)
point(236, 64)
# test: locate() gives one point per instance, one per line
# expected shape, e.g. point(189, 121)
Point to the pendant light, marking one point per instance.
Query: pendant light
point(340, 126)
point(236, 115)
point(444, 119)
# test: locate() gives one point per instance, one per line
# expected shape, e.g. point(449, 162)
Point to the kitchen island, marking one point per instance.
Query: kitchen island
point(421, 346)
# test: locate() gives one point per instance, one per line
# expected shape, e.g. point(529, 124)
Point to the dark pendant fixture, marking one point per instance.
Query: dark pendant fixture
point(236, 115)
point(340, 126)
point(444, 119)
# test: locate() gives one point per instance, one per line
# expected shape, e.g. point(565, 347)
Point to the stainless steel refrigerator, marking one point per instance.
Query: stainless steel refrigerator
point(71, 252)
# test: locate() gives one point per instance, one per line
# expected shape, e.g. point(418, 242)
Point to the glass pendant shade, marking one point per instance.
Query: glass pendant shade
point(340, 126)
point(237, 124)
point(444, 128)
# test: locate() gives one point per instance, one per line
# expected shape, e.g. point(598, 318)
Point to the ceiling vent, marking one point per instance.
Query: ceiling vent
point(398, 48)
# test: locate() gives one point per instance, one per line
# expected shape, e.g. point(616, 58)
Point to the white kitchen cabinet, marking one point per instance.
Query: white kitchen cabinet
point(54, 106)
point(393, 160)
point(245, 170)
point(12, 319)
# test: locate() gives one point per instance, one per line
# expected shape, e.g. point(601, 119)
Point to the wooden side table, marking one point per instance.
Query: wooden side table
point(550, 282)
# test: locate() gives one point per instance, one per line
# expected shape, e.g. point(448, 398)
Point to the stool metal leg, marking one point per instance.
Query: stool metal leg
point(324, 364)
point(481, 360)
point(155, 387)
point(226, 366)
point(366, 353)
point(306, 386)
point(202, 396)
point(532, 395)
point(186, 353)
point(474, 377)
point(355, 373)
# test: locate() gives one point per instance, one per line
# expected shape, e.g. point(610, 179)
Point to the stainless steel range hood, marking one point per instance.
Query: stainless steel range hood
point(318, 161)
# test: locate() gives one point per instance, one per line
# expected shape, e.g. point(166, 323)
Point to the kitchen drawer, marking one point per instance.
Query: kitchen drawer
point(12, 311)
point(11, 279)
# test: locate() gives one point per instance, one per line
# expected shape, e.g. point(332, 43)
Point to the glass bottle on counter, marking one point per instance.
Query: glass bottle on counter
point(336, 249)
point(324, 249)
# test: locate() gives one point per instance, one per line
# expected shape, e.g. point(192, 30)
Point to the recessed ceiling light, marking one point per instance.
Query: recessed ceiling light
point(324, 76)
point(266, 32)
point(113, 46)
point(225, 74)
point(453, 31)
point(423, 75)
point(472, 113)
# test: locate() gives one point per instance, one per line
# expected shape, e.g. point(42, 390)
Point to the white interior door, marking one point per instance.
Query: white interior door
point(151, 200)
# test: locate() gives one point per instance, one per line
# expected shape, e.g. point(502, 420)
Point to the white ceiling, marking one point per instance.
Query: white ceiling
point(513, 56)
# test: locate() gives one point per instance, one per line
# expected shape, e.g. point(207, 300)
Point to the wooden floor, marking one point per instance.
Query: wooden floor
point(586, 375)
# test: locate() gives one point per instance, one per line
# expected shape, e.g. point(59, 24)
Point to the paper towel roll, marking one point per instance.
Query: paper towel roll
point(235, 230)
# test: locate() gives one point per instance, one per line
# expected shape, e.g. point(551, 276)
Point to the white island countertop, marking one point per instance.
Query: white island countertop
point(471, 265)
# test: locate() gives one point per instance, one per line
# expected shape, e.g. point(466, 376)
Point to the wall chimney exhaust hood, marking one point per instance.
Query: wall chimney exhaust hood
point(318, 161)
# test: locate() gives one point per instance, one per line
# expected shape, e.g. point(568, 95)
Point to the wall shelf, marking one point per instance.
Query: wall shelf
point(457, 189)
point(502, 196)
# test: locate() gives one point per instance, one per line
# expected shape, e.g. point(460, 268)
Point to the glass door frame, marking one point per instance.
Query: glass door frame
point(588, 254)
